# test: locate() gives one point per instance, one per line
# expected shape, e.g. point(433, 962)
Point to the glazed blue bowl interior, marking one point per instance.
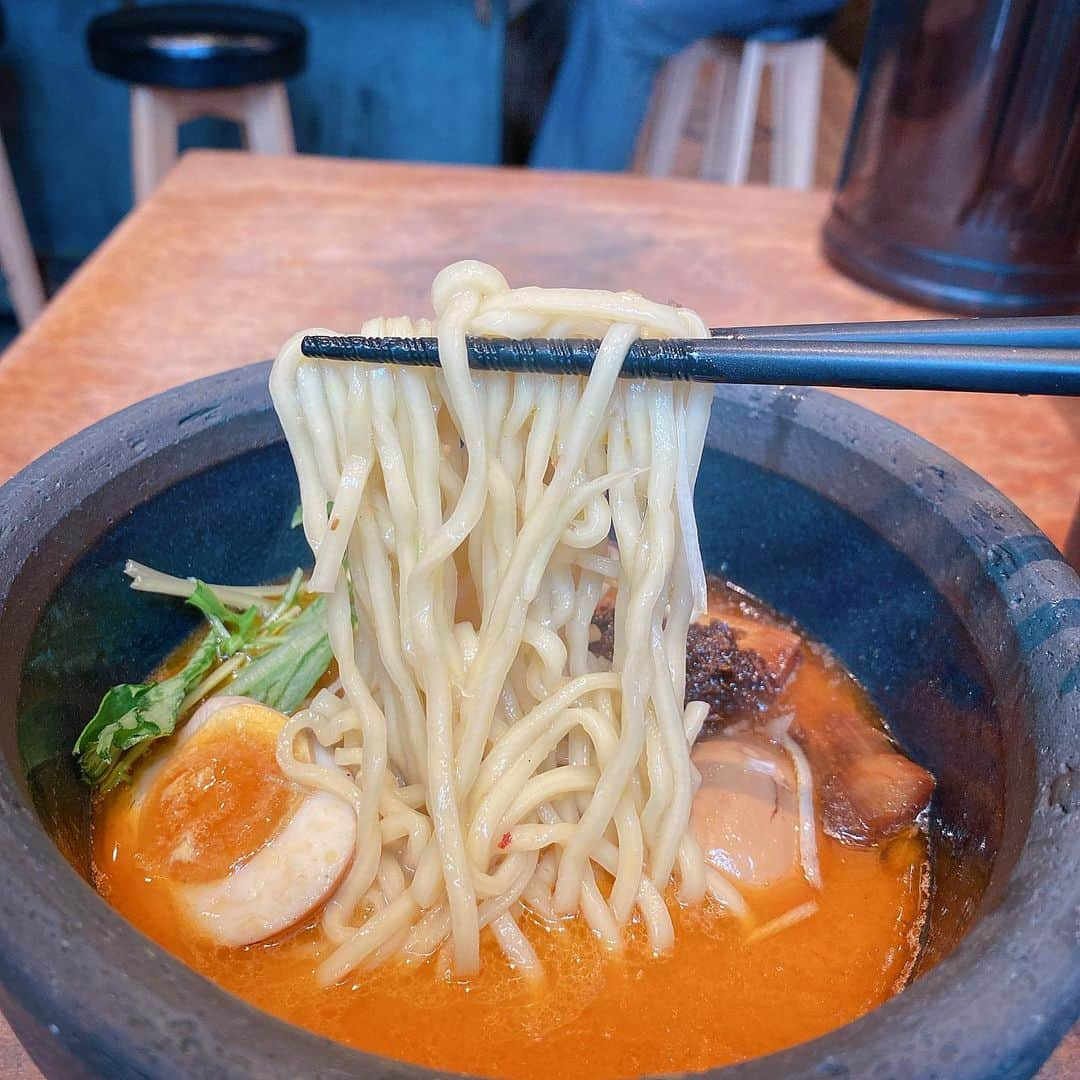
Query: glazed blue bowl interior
point(938, 596)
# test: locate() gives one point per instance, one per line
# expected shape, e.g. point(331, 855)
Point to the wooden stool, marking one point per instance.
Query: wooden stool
point(189, 60)
point(794, 56)
point(16, 254)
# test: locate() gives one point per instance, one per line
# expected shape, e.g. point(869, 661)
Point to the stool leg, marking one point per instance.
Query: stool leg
point(796, 96)
point(153, 138)
point(672, 100)
point(747, 93)
point(781, 120)
point(267, 120)
point(16, 254)
point(717, 150)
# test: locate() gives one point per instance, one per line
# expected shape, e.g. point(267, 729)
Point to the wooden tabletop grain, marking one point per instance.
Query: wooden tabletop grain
point(234, 253)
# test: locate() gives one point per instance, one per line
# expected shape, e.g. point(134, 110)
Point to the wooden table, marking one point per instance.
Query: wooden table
point(234, 253)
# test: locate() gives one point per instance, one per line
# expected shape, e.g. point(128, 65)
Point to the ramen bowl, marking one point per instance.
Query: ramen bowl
point(956, 614)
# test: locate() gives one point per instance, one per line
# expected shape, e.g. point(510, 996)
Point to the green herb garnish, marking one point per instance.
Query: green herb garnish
point(283, 676)
point(278, 655)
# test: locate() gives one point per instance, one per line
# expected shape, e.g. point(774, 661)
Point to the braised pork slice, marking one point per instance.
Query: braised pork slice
point(868, 791)
point(734, 663)
point(738, 665)
point(780, 650)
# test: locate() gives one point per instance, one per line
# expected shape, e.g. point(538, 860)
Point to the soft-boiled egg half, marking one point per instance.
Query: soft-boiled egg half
point(744, 814)
point(247, 852)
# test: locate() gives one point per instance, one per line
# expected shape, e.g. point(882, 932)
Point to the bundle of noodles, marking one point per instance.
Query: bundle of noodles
point(461, 524)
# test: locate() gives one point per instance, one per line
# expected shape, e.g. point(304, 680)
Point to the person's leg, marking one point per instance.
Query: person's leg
point(615, 51)
point(602, 90)
point(599, 97)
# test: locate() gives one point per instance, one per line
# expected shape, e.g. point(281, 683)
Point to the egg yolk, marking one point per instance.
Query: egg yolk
point(219, 798)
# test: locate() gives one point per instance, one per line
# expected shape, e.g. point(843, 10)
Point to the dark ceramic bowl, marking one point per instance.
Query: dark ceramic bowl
point(960, 618)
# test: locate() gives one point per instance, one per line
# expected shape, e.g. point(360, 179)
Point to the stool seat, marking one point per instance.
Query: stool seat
point(197, 46)
point(810, 26)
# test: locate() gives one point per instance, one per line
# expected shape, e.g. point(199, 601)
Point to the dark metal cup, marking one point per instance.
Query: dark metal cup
point(960, 186)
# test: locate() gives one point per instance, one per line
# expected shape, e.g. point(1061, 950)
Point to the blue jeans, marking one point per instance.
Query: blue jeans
point(615, 51)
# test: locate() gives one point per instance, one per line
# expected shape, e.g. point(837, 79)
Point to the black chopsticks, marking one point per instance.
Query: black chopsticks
point(1047, 332)
point(1010, 356)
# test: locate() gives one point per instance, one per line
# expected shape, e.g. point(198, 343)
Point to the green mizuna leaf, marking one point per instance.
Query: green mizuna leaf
point(233, 630)
point(286, 673)
point(133, 714)
point(289, 652)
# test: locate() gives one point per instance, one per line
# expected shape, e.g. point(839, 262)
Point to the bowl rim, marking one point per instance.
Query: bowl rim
point(152, 1015)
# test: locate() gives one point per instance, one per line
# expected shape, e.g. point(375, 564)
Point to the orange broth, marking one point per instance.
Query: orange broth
point(717, 998)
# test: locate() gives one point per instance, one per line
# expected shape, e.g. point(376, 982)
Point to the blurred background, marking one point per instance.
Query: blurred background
point(959, 187)
point(428, 80)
